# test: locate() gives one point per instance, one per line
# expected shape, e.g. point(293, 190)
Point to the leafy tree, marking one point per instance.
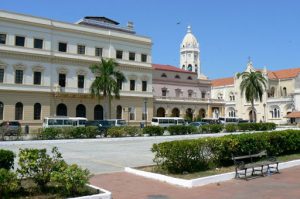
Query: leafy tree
point(253, 86)
point(106, 82)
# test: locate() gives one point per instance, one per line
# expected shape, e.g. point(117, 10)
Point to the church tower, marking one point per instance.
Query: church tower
point(190, 53)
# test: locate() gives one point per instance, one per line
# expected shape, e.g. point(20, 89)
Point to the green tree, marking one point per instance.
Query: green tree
point(253, 86)
point(106, 82)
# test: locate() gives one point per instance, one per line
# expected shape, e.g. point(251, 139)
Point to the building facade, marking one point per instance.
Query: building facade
point(281, 98)
point(44, 68)
point(179, 93)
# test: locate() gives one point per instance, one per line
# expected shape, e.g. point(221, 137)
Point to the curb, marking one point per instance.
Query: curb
point(199, 181)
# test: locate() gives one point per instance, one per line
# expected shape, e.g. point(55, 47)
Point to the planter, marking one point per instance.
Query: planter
point(104, 194)
point(199, 181)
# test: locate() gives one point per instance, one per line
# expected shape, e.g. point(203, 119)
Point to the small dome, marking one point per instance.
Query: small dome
point(189, 40)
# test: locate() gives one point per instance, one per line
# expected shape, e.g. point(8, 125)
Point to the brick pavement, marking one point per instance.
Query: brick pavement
point(285, 185)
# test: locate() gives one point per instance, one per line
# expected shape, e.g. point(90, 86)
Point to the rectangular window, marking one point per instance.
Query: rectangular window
point(131, 113)
point(81, 49)
point(37, 78)
point(62, 47)
point(80, 81)
point(62, 80)
point(98, 52)
point(132, 56)
point(20, 41)
point(203, 95)
point(119, 83)
point(2, 38)
point(144, 85)
point(132, 85)
point(164, 92)
point(19, 77)
point(1, 75)
point(119, 54)
point(38, 43)
point(144, 58)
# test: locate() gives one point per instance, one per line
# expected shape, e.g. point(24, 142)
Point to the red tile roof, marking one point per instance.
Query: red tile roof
point(294, 115)
point(279, 74)
point(284, 74)
point(223, 81)
point(170, 68)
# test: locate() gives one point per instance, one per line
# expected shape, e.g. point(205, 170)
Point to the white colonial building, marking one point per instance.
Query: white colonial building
point(282, 96)
point(44, 68)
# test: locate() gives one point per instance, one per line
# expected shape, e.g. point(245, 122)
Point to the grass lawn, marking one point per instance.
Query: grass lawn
point(188, 176)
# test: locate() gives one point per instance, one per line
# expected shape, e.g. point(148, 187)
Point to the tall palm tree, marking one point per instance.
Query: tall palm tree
point(253, 85)
point(106, 83)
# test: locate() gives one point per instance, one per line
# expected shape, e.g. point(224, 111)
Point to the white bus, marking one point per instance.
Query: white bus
point(118, 122)
point(167, 121)
point(228, 120)
point(59, 122)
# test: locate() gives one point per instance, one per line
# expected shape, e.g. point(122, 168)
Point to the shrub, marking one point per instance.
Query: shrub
point(50, 133)
point(71, 178)
point(132, 130)
point(116, 132)
point(200, 154)
point(181, 129)
point(231, 128)
point(38, 165)
point(153, 130)
point(91, 132)
point(6, 159)
point(211, 128)
point(9, 183)
point(256, 126)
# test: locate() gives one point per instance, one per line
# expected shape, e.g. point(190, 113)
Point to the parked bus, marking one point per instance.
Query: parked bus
point(227, 120)
point(167, 121)
point(59, 122)
point(211, 120)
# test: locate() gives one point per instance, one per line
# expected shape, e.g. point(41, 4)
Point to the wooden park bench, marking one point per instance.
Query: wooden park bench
point(270, 163)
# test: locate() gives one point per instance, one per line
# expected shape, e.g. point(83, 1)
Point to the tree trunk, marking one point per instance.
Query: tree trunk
point(109, 107)
point(106, 108)
point(253, 113)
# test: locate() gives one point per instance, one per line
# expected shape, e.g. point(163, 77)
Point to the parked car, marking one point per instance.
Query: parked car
point(102, 125)
point(9, 128)
point(197, 124)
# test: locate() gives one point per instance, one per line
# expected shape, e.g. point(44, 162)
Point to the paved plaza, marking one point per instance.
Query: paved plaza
point(103, 155)
point(285, 185)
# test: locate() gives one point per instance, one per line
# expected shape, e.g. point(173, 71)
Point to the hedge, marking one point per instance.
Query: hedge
point(182, 130)
point(68, 133)
point(201, 154)
point(211, 128)
point(6, 159)
point(124, 131)
point(153, 130)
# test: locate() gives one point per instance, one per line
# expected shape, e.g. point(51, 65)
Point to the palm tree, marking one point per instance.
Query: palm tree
point(253, 85)
point(106, 82)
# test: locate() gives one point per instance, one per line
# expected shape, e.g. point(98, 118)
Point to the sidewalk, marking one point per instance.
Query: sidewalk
point(285, 185)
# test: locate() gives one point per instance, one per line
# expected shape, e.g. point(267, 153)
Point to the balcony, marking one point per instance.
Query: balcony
point(187, 100)
point(288, 98)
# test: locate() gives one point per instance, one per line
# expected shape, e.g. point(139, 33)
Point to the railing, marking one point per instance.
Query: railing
point(188, 99)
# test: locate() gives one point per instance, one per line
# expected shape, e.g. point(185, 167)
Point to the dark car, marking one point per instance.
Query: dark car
point(102, 125)
point(197, 124)
point(9, 128)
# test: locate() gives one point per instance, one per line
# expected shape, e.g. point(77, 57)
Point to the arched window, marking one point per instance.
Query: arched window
point(220, 96)
point(190, 67)
point(19, 111)
point(80, 111)
point(164, 75)
point(231, 96)
point(98, 112)
point(177, 77)
point(190, 78)
point(284, 91)
point(119, 112)
point(183, 67)
point(275, 112)
point(1, 110)
point(231, 112)
point(37, 111)
point(61, 110)
point(160, 112)
point(272, 92)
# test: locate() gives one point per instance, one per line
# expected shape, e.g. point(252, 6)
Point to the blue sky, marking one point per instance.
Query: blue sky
point(228, 31)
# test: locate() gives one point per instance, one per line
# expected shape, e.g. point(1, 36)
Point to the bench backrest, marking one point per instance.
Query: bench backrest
point(250, 156)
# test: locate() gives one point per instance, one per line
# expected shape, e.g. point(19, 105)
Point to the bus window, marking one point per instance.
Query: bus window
point(68, 122)
point(82, 122)
point(154, 120)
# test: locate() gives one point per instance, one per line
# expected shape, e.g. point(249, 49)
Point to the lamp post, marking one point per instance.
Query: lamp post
point(264, 112)
point(145, 111)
